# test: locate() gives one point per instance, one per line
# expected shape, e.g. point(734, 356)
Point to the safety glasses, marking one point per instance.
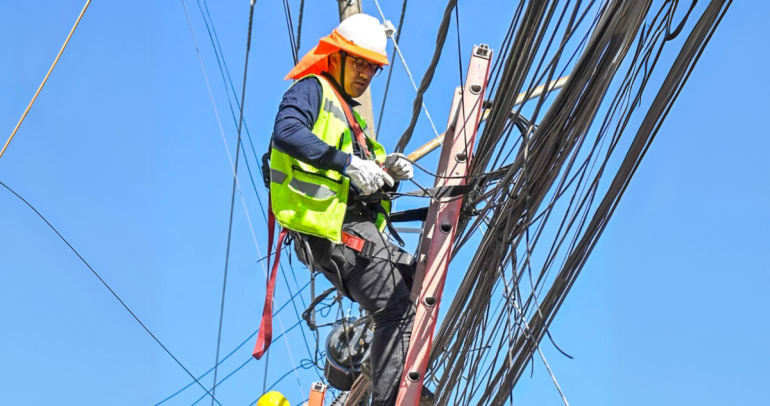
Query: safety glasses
point(362, 65)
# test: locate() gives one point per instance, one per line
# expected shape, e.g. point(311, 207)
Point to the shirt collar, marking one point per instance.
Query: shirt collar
point(344, 94)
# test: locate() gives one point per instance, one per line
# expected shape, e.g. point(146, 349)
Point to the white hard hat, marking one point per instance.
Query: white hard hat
point(366, 32)
point(360, 35)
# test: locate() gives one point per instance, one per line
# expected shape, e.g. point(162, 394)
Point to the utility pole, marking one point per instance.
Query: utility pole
point(347, 9)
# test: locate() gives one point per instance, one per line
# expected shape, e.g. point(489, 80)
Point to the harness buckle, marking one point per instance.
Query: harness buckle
point(367, 251)
point(362, 246)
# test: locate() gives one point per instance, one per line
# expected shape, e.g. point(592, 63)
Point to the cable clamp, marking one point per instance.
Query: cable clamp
point(390, 29)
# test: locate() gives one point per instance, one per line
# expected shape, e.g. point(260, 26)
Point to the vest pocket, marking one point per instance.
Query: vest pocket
point(314, 186)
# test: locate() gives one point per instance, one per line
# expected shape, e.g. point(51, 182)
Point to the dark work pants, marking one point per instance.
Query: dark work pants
point(382, 287)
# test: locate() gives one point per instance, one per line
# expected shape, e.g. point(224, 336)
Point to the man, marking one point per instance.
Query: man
point(325, 170)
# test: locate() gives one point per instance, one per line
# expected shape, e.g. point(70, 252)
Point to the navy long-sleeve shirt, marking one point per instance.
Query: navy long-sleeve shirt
point(293, 131)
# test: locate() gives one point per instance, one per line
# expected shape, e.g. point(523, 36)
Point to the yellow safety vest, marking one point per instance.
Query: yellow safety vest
point(311, 200)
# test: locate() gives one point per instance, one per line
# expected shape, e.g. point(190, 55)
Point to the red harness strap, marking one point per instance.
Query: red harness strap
point(265, 337)
point(357, 130)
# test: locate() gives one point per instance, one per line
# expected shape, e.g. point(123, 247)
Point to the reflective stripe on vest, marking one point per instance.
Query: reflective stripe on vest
point(335, 110)
point(311, 200)
point(311, 189)
point(277, 176)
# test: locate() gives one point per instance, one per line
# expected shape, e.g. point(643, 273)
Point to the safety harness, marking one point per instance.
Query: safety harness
point(360, 245)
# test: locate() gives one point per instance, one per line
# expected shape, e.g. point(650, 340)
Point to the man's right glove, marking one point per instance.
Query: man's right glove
point(367, 175)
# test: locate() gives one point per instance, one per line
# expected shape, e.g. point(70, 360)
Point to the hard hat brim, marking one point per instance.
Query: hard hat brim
point(316, 60)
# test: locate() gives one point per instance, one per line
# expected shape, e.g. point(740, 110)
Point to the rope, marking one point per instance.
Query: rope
point(125, 306)
point(45, 79)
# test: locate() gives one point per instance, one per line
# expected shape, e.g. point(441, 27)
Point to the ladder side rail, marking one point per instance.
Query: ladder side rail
point(440, 225)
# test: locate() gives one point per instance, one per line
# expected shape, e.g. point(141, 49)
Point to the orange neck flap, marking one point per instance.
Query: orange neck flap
point(317, 60)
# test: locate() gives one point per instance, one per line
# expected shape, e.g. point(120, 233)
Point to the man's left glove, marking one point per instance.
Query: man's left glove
point(398, 167)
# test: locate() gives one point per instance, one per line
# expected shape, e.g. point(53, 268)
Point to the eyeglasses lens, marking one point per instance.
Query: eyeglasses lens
point(362, 65)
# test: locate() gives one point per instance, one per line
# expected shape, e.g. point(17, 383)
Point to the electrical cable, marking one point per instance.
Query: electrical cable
point(227, 149)
point(462, 83)
point(390, 71)
point(232, 198)
point(294, 370)
point(248, 339)
point(224, 71)
point(125, 306)
point(561, 158)
point(427, 77)
point(409, 74)
point(290, 28)
point(251, 358)
point(221, 62)
point(299, 23)
point(513, 176)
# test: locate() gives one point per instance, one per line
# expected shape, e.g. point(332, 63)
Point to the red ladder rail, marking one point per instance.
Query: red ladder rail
point(437, 240)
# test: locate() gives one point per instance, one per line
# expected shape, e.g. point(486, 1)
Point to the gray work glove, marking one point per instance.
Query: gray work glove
point(367, 175)
point(398, 167)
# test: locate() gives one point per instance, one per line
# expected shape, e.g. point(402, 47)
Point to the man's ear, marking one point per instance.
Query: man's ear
point(334, 59)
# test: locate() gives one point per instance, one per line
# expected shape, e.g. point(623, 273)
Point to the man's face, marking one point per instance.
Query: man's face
point(358, 73)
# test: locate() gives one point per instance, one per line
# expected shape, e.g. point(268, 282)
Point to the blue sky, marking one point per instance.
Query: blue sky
point(123, 154)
